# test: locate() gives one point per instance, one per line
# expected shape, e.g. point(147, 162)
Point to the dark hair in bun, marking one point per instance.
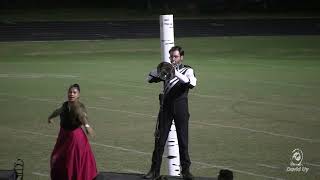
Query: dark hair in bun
point(77, 86)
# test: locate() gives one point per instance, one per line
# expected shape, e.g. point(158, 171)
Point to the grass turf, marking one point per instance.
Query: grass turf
point(257, 99)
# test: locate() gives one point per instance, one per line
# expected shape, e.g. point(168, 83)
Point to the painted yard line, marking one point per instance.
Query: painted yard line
point(91, 142)
point(312, 164)
point(55, 63)
point(62, 76)
point(37, 75)
point(122, 111)
point(40, 174)
point(33, 133)
point(41, 99)
point(136, 97)
point(89, 107)
point(120, 148)
point(106, 98)
point(44, 41)
point(238, 171)
point(270, 82)
point(192, 122)
point(257, 131)
point(89, 52)
point(254, 56)
point(223, 61)
point(257, 102)
point(220, 97)
point(30, 98)
point(217, 97)
point(119, 84)
point(268, 166)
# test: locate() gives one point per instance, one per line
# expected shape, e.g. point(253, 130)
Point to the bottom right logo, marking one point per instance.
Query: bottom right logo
point(296, 162)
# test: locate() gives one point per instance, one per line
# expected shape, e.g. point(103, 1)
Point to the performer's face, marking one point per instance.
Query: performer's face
point(73, 94)
point(175, 57)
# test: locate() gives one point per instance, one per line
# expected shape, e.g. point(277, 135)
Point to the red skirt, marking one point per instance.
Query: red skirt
point(72, 157)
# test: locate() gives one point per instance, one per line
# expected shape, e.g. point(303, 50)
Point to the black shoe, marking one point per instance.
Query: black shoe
point(187, 175)
point(152, 175)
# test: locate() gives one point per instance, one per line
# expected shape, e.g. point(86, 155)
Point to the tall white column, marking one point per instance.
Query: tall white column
point(166, 36)
point(167, 42)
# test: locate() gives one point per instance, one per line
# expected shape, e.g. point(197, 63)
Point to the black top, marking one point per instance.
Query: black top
point(71, 114)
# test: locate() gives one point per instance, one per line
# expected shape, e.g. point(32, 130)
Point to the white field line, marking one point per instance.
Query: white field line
point(30, 98)
point(32, 132)
point(268, 166)
point(246, 63)
point(64, 76)
point(89, 107)
point(270, 82)
point(122, 111)
point(93, 143)
point(191, 122)
point(312, 164)
point(119, 84)
point(145, 153)
point(222, 97)
point(224, 61)
point(257, 102)
point(105, 98)
point(257, 131)
point(40, 174)
point(37, 75)
point(217, 97)
point(88, 52)
point(44, 41)
point(54, 63)
point(264, 81)
point(120, 148)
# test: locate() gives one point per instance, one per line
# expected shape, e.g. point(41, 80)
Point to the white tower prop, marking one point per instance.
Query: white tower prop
point(167, 42)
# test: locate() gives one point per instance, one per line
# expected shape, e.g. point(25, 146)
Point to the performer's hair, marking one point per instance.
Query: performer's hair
point(177, 48)
point(77, 86)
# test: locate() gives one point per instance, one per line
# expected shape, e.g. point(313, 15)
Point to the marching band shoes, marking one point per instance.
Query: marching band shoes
point(153, 175)
point(187, 175)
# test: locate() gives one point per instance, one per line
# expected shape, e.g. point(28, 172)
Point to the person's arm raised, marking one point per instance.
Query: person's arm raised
point(84, 121)
point(54, 114)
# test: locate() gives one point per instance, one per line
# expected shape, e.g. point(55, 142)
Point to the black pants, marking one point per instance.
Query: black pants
point(179, 112)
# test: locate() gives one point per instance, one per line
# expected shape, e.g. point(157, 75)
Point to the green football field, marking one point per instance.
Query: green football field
point(257, 99)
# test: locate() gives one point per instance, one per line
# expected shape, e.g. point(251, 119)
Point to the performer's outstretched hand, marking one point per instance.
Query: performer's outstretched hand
point(50, 120)
point(90, 131)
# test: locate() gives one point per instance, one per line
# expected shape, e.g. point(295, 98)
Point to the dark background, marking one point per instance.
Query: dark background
point(172, 6)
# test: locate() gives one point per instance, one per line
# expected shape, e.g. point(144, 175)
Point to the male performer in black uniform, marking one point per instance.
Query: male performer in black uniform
point(174, 106)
